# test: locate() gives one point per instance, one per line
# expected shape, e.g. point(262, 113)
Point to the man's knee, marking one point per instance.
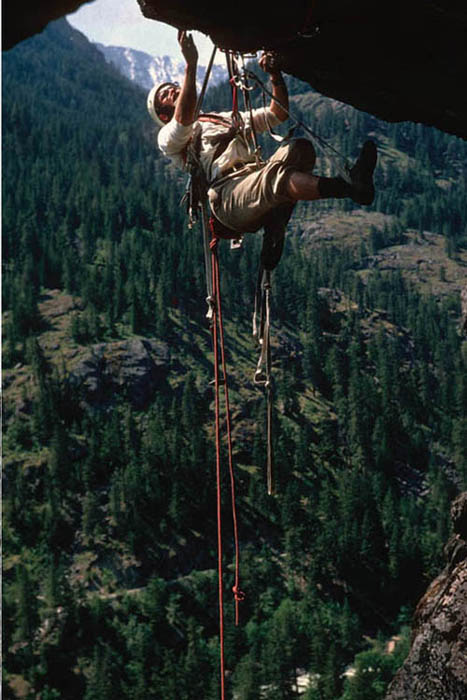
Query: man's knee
point(306, 153)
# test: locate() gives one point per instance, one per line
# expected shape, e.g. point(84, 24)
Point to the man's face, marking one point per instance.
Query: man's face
point(166, 96)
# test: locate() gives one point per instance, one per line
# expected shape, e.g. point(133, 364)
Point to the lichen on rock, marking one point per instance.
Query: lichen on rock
point(436, 667)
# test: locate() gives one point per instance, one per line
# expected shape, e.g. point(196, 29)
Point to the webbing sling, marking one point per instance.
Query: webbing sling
point(263, 374)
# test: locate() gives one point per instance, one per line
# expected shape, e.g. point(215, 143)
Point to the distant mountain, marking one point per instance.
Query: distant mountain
point(146, 70)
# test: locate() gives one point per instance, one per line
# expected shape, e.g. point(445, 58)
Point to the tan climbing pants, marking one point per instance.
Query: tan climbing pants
point(242, 200)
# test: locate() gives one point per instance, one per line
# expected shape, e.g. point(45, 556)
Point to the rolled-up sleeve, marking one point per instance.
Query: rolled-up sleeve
point(264, 116)
point(173, 138)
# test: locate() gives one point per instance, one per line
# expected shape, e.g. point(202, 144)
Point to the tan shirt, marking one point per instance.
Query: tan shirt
point(173, 138)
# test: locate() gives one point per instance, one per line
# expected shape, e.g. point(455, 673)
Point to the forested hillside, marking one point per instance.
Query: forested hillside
point(109, 514)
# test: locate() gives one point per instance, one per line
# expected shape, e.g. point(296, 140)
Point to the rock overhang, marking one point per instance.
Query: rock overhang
point(399, 61)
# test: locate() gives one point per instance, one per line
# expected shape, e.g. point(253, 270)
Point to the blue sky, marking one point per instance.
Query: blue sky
point(121, 23)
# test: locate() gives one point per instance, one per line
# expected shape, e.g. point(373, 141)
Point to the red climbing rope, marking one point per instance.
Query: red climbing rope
point(214, 264)
point(238, 594)
point(218, 348)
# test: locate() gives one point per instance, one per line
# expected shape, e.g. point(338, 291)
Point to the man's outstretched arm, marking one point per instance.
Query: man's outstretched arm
point(186, 101)
point(279, 89)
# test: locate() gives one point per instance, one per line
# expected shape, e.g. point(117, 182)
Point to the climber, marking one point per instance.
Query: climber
point(243, 194)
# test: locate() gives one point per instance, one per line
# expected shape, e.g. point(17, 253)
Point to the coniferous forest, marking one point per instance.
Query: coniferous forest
point(109, 496)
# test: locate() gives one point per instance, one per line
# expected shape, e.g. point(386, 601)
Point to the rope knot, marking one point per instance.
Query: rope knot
point(213, 243)
point(238, 594)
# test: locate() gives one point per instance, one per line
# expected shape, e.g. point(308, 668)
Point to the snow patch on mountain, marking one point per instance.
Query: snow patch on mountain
point(146, 70)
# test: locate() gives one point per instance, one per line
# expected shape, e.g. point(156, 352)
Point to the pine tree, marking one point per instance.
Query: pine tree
point(26, 615)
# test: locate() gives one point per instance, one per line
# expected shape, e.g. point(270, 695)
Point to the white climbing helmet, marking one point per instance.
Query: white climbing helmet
point(151, 103)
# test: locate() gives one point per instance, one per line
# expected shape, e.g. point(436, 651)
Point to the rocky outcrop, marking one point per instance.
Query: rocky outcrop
point(21, 21)
point(436, 668)
point(133, 368)
point(401, 61)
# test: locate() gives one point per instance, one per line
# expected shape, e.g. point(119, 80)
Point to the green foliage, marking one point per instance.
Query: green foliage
point(374, 668)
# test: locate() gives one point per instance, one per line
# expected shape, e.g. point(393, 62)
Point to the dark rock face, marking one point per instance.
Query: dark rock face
point(20, 22)
point(135, 368)
point(401, 61)
point(436, 668)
